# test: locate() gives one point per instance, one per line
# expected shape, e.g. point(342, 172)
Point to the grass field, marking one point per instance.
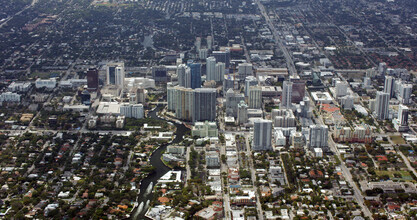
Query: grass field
point(405, 175)
point(397, 140)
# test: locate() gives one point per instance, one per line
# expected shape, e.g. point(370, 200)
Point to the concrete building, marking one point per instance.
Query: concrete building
point(404, 93)
point(205, 129)
point(184, 98)
point(184, 76)
point(318, 137)
point(222, 56)
point(286, 99)
point(401, 122)
point(262, 134)
point(280, 139)
point(9, 97)
point(211, 68)
point(346, 102)
point(250, 81)
point(242, 113)
point(212, 159)
point(367, 83)
point(283, 118)
point(160, 73)
point(245, 70)
point(19, 86)
point(204, 104)
point(232, 101)
point(297, 139)
point(92, 79)
point(46, 83)
point(255, 97)
point(360, 134)
point(382, 105)
point(389, 85)
point(220, 71)
point(195, 72)
point(111, 72)
point(341, 88)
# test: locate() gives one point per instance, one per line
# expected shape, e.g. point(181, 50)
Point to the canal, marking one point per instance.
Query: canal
point(146, 195)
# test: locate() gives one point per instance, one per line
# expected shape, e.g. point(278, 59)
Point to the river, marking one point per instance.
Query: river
point(146, 195)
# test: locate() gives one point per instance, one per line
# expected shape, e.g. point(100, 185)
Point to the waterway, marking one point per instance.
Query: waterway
point(146, 195)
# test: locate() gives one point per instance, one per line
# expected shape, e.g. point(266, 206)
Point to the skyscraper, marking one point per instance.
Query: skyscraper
point(242, 112)
point(250, 81)
point(222, 56)
point(255, 97)
point(195, 70)
point(319, 136)
point(382, 105)
point(204, 104)
point(92, 79)
point(405, 91)
point(232, 100)
point(245, 70)
point(286, 95)
point(298, 90)
point(211, 68)
point(159, 73)
point(219, 72)
point(209, 42)
point(120, 76)
point(341, 89)
point(262, 132)
point(183, 73)
point(389, 85)
point(184, 103)
point(403, 115)
point(111, 72)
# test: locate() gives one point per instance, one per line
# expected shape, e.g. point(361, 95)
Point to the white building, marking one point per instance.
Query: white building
point(9, 97)
point(262, 133)
point(250, 81)
point(45, 83)
point(211, 68)
point(132, 110)
point(280, 139)
point(219, 72)
point(205, 129)
point(341, 88)
point(245, 70)
point(404, 93)
point(212, 159)
point(255, 97)
point(389, 85)
point(319, 136)
point(382, 105)
point(401, 122)
point(286, 99)
point(19, 86)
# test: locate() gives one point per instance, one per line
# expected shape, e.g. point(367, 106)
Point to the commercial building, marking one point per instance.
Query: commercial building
point(404, 93)
point(19, 86)
point(360, 134)
point(250, 81)
point(205, 129)
point(211, 69)
point(222, 56)
point(286, 99)
point(220, 71)
point(115, 73)
point(341, 89)
point(255, 97)
point(401, 122)
point(262, 134)
point(242, 113)
point(92, 79)
point(195, 75)
point(318, 137)
point(382, 105)
point(9, 97)
point(204, 104)
point(160, 73)
point(212, 159)
point(232, 101)
point(283, 118)
point(245, 70)
point(389, 85)
point(46, 83)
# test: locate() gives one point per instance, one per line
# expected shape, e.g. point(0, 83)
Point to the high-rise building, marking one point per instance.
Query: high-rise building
point(389, 85)
point(250, 81)
point(195, 70)
point(245, 70)
point(403, 115)
point(305, 111)
point(184, 76)
point(160, 73)
point(286, 100)
point(366, 83)
point(298, 90)
point(204, 104)
point(262, 135)
point(404, 93)
point(242, 112)
point(211, 68)
point(111, 72)
point(202, 53)
point(319, 137)
point(209, 42)
point(198, 43)
point(184, 103)
point(222, 56)
point(92, 79)
point(255, 97)
point(341, 89)
point(232, 100)
point(172, 97)
point(120, 76)
point(382, 68)
point(382, 105)
point(220, 70)
point(137, 111)
point(228, 83)
point(132, 110)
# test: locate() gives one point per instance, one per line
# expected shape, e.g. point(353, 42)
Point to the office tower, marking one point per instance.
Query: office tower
point(346, 102)
point(195, 71)
point(159, 73)
point(220, 70)
point(366, 83)
point(242, 112)
point(305, 111)
point(120, 76)
point(198, 43)
point(244, 70)
point(403, 115)
point(209, 42)
point(250, 81)
point(181, 74)
point(171, 97)
point(183, 103)
point(382, 105)
point(232, 100)
point(341, 89)
point(389, 85)
point(286, 95)
point(222, 56)
point(228, 83)
point(137, 95)
point(137, 111)
point(204, 104)
point(210, 68)
point(202, 54)
point(262, 135)
point(126, 110)
point(92, 79)
point(255, 97)
point(371, 72)
point(283, 118)
point(319, 136)
point(111, 72)
point(404, 93)
point(298, 90)
point(382, 68)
